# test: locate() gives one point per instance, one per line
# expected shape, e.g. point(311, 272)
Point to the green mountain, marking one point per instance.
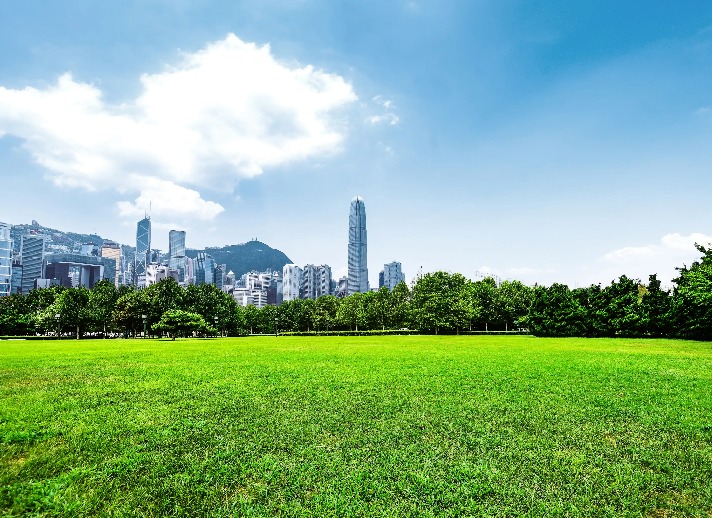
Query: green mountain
point(246, 257)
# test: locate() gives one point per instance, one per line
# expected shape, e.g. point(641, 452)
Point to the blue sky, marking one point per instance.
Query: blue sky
point(541, 141)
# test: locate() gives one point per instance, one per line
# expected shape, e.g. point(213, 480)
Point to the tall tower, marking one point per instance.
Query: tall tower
point(143, 251)
point(176, 252)
point(358, 267)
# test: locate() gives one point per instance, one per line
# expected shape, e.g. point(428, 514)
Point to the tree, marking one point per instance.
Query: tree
point(72, 307)
point(177, 322)
point(348, 312)
point(513, 301)
point(556, 312)
point(160, 297)
point(102, 299)
point(400, 306)
point(484, 302)
point(128, 310)
point(440, 301)
point(691, 305)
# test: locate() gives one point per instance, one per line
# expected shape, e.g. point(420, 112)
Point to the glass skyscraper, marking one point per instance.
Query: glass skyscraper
point(143, 251)
point(358, 266)
point(176, 252)
point(32, 248)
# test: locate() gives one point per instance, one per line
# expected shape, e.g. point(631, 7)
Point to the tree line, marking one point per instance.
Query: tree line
point(439, 302)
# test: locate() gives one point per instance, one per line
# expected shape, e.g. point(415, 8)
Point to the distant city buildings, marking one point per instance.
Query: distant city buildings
point(176, 252)
point(391, 275)
point(5, 259)
point(357, 250)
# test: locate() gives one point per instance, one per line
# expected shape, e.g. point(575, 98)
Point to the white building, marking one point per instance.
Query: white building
point(291, 282)
point(156, 273)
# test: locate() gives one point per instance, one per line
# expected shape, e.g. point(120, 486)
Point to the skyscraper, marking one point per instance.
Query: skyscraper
point(358, 267)
point(143, 251)
point(32, 248)
point(391, 275)
point(176, 252)
point(5, 259)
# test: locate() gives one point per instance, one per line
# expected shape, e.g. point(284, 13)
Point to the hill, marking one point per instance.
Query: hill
point(246, 257)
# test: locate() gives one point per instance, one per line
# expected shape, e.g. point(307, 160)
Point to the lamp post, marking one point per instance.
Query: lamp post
point(216, 324)
point(276, 331)
point(144, 317)
point(57, 316)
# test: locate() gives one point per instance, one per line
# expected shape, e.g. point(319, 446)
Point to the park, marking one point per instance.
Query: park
point(363, 426)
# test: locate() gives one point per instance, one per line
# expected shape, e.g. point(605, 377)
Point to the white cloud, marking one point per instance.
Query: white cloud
point(223, 113)
point(165, 197)
point(662, 258)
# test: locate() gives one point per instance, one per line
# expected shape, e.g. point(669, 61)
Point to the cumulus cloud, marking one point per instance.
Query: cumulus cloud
point(226, 112)
point(163, 197)
point(662, 258)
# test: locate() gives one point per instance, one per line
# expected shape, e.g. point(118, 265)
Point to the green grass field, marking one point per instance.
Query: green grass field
point(407, 425)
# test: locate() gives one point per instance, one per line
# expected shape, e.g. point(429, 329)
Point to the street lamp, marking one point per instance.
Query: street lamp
point(276, 331)
point(57, 316)
point(144, 317)
point(216, 323)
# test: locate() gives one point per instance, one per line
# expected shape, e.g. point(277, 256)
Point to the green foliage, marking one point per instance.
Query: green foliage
point(692, 298)
point(177, 322)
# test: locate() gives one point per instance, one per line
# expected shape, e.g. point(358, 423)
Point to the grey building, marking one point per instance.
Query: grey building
point(358, 264)
point(85, 270)
point(391, 276)
point(32, 249)
point(5, 259)
point(176, 252)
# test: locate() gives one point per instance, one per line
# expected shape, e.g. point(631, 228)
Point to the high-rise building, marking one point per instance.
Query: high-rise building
point(143, 251)
point(112, 250)
point(358, 265)
point(391, 276)
point(309, 282)
point(16, 281)
point(176, 252)
point(32, 249)
point(291, 282)
point(323, 285)
point(204, 269)
point(5, 259)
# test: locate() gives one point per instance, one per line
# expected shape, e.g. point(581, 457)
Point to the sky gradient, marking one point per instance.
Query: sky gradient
point(540, 141)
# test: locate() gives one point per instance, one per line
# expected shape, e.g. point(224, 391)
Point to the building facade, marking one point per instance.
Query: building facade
point(143, 251)
point(5, 259)
point(176, 252)
point(391, 276)
point(291, 282)
point(357, 251)
point(32, 250)
point(112, 251)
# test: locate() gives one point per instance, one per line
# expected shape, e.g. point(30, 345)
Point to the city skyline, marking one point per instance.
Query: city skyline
point(546, 143)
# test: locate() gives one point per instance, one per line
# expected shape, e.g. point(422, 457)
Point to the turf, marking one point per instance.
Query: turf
point(358, 426)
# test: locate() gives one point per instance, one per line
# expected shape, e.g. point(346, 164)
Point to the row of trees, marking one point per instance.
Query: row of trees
point(628, 307)
point(439, 302)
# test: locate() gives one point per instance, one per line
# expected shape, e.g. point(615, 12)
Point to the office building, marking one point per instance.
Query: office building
point(73, 270)
point(391, 276)
point(143, 251)
point(204, 266)
point(176, 252)
point(308, 287)
point(5, 259)
point(291, 282)
point(324, 281)
point(112, 251)
point(32, 249)
point(357, 258)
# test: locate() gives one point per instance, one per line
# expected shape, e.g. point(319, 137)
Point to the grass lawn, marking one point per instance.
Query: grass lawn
point(402, 425)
